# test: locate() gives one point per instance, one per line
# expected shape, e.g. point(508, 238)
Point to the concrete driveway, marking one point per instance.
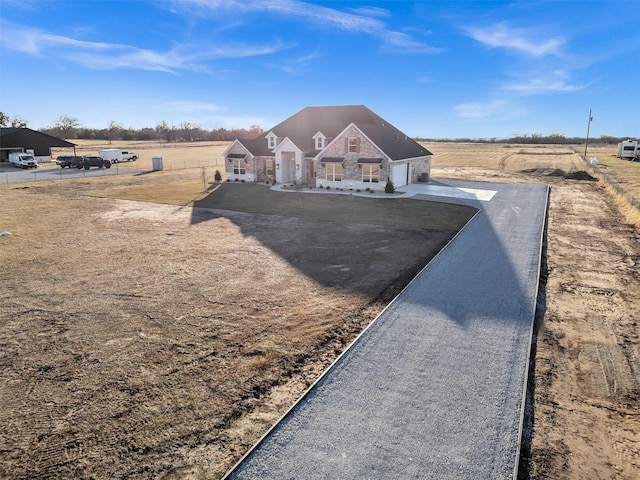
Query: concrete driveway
point(434, 388)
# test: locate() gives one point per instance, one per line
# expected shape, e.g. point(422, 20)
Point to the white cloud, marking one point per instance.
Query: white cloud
point(362, 20)
point(554, 82)
point(502, 36)
point(190, 106)
point(494, 109)
point(292, 8)
point(406, 43)
point(112, 56)
point(371, 12)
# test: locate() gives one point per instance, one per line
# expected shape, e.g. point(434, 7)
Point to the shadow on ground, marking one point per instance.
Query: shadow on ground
point(361, 246)
point(371, 246)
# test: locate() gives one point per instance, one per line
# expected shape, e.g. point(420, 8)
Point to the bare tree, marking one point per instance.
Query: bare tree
point(187, 131)
point(19, 122)
point(4, 119)
point(16, 122)
point(164, 130)
point(66, 126)
point(114, 130)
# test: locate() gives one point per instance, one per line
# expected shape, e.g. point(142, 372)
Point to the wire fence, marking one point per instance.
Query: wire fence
point(47, 172)
point(612, 182)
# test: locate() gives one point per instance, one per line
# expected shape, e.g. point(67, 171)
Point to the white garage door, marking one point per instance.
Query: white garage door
point(400, 175)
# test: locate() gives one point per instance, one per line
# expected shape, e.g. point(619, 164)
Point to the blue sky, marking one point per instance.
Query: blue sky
point(436, 69)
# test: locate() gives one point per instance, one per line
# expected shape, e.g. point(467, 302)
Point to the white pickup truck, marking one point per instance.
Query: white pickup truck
point(115, 155)
point(23, 160)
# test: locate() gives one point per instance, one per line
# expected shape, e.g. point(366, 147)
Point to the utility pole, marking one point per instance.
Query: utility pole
point(586, 144)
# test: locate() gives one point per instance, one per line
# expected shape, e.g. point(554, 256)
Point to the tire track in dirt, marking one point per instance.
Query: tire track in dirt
point(587, 413)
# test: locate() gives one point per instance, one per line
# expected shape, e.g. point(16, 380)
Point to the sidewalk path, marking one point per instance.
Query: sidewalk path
point(434, 387)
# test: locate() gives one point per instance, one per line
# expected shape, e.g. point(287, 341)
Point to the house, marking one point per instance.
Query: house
point(333, 146)
point(26, 140)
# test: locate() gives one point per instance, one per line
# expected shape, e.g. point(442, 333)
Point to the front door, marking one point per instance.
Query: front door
point(288, 166)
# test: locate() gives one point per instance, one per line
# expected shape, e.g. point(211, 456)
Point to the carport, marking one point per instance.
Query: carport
point(25, 140)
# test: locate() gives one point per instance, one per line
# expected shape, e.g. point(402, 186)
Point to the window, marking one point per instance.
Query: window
point(320, 140)
point(353, 145)
point(272, 141)
point(269, 166)
point(371, 173)
point(334, 172)
point(239, 166)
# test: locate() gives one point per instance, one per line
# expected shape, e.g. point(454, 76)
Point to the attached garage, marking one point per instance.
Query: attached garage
point(400, 175)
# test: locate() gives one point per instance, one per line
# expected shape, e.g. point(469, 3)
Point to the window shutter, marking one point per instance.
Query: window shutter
point(357, 144)
point(346, 144)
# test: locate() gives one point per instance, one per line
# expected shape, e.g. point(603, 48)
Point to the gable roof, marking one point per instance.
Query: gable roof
point(14, 137)
point(331, 121)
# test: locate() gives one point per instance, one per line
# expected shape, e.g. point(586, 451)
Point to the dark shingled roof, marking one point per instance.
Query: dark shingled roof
point(332, 120)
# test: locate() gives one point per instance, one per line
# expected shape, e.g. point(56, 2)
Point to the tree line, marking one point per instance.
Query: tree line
point(531, 138)
point(70, 128)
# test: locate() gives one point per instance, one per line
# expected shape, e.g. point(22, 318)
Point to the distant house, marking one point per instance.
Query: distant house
point(337, 146)
point(27, 140)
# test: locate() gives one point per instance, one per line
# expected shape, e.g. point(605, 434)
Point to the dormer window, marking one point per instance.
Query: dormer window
point(321, 140)
point(271, 140)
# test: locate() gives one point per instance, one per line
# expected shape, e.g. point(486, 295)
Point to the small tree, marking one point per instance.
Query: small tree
point(218, 176)
point(389, 188)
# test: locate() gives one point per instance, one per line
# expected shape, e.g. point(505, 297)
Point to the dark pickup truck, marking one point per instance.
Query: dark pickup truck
point(90, 161)
point(69, 161)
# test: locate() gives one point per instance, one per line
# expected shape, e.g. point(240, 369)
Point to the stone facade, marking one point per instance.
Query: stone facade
point(255, 168)
point(351, 169)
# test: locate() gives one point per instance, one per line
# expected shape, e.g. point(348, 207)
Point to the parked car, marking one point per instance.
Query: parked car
point(69, 161)
point(89, 161)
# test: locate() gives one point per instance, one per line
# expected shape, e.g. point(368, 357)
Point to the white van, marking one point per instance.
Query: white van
point(23, 160)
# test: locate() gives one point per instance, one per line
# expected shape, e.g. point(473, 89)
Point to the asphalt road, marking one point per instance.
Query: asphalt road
point(434, 387)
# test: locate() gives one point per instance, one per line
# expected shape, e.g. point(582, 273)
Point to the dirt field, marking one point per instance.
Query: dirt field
point(585, 383)
point(148, 340)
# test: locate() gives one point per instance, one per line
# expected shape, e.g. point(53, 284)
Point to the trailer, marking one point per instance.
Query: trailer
point(629, 149)
point(116, 155)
